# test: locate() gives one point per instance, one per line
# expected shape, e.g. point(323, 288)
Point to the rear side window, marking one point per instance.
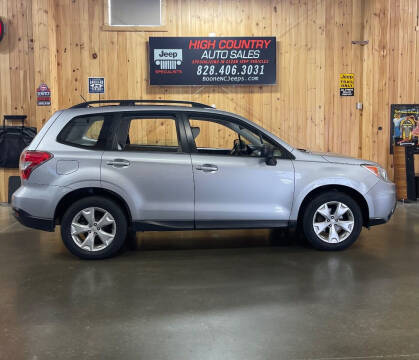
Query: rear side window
point(149, 134)
point(85, 131)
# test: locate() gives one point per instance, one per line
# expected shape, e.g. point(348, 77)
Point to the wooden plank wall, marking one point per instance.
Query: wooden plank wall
point(390, 70)
point(61, 42)
point(27, 58)
point(16, 68)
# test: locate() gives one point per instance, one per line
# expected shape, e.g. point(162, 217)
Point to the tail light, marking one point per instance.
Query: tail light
point(30, 160)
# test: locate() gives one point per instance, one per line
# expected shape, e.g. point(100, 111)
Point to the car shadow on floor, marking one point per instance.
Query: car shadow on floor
point(211, 239)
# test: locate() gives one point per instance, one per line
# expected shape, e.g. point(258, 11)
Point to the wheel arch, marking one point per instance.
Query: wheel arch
point(78, 194)
point(354, 194)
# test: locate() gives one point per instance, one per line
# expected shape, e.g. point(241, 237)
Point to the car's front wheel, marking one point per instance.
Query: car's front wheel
point(94, 228)
point(332, 221)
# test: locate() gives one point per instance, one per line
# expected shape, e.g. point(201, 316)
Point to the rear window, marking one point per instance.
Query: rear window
point(85, 131)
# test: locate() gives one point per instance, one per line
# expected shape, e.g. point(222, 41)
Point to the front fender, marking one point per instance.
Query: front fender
point(310, 176)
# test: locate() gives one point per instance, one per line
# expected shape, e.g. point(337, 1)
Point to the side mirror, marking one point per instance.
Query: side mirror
point(268, 154)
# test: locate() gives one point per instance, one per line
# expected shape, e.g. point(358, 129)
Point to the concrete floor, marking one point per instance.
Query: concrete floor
point(212, 295)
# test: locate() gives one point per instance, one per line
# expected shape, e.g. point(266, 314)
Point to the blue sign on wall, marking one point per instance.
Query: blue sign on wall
point(212, 60)
point(96, 85)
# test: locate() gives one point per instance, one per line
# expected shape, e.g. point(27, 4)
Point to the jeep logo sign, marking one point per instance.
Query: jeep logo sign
point(168, 58)
point(212, 60)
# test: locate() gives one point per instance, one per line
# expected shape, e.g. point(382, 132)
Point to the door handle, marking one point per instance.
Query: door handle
point(118, 163)
point(207, 168)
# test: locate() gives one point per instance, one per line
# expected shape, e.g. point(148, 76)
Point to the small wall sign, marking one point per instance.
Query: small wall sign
point(43, 95)
point(347, 84)
point(96, 85)
point(1, 29)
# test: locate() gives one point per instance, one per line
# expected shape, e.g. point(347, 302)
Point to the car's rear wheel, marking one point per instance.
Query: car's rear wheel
point(94, 228)
point(332, 221)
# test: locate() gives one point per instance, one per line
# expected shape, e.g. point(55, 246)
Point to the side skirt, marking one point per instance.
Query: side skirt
point(170, 225)
point(150, 225)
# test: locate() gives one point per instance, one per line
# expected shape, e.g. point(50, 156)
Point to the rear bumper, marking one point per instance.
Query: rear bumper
point(38, 201)
point(33, 222)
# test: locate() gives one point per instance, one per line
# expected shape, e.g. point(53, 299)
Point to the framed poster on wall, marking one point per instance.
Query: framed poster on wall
point(404, 125)
point(212, 60)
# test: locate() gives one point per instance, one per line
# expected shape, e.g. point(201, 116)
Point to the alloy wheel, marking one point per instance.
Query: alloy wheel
point(93, 229)
point(333, 222)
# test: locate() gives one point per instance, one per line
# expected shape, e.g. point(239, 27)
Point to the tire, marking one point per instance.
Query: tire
point(105, 241)
point(339, 233)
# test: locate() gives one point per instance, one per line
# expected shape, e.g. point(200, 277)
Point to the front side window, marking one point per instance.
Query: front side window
point(148, 134)
point(84, 131)
point(227, 138)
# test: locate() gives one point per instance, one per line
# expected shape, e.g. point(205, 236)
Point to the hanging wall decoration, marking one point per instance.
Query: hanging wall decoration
point(43, 95)
point(1, 29)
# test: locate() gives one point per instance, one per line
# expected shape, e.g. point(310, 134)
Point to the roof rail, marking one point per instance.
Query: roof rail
point(134, 102)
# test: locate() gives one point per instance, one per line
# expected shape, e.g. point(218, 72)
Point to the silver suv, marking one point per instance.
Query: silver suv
point(103, 172)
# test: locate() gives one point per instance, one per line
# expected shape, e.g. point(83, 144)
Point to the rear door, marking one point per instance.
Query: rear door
point(151, 167)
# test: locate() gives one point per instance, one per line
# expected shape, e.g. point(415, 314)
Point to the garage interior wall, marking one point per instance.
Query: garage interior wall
point(61, 43)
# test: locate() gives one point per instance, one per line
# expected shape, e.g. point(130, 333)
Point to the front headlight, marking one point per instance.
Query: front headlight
point(377, 171)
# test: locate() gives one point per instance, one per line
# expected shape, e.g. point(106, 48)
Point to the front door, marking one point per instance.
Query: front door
point(149, 166)
point(234, 187)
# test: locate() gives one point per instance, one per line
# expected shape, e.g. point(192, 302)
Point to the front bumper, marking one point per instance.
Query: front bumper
point(379, 221)
point(382, 203)
point(33, 222)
